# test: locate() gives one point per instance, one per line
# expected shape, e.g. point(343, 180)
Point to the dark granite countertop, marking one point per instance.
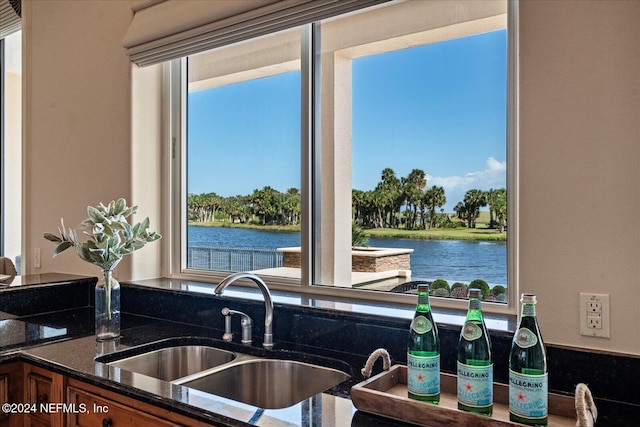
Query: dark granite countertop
point(51, 325)
point(47, 320)
point(76, 359)
point(48, 279)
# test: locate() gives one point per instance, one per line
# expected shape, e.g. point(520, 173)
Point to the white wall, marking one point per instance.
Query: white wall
point(77, 109)
point(579, 151)
point(580, 170)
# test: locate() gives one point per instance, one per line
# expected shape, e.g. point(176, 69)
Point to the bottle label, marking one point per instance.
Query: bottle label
point(471, 331)
point(423, 375)
point(421, 325)
point(529, 310)
point(475, 385)
point(528, 396)
point(525, 338)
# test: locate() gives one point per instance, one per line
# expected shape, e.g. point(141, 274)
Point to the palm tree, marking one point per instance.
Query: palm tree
point(202, 207)
point(496, 199)
point(413, 186)
point(434, 198)
point(357, 207)
point(236, 209)
point(461, 211)
point(212, 204)
point(390, 192)
point(291, 206)
point(264, 203)
point(192, 202)
point(375, 203)
point(498, 205)
point(473, 201)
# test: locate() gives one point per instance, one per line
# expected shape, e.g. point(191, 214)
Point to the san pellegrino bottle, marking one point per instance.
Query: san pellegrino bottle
point(423, 352)
point(528, 376)
point(475, 363)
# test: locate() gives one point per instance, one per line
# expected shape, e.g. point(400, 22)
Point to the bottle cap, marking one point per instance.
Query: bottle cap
point(528, 299)
point(423, 288)
point(475, 293)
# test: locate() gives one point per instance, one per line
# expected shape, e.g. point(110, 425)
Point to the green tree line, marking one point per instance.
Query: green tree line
point(404, 202)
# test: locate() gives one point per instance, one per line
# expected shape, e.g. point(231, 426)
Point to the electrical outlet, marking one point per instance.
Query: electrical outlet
point(594, 322)
point(595, 315)
point(594, 307)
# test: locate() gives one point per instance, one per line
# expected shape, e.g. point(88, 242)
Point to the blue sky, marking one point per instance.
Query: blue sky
point(439, 107)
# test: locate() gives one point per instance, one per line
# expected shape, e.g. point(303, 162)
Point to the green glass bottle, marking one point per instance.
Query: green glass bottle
point(475, 363)
point(423, 352)
point(528, 375)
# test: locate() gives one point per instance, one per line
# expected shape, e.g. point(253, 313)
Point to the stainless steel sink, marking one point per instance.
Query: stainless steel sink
point(171, 363)
point(268, 383)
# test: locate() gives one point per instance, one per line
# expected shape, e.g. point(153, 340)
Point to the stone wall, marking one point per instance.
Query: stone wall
point(369, 260)
point(377, 264)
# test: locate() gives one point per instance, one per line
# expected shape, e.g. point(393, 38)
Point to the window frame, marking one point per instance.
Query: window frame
point(175, 91)
point(11, 146)
point(2, 141)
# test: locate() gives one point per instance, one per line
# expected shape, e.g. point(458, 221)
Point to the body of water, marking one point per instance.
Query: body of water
point(454, 260)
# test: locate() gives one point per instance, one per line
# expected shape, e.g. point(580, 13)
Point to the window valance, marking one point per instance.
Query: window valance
point(10, 17)
point(176, 28)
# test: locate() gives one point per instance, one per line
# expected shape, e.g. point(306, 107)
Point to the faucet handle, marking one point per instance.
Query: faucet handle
point(245, 322)
point(228, 335)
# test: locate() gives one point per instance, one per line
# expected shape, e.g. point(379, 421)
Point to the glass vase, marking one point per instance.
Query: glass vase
point(107, 307)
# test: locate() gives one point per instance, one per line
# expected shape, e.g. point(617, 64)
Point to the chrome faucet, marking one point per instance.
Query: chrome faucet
point(268, 315)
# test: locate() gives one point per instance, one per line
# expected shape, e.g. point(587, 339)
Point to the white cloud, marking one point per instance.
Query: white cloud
point(493, 176)
point(495, 165)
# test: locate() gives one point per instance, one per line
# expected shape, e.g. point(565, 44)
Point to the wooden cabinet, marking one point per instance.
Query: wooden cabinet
point(43, 391)
point(102, 408)
point(56, 401)
point(93, 410)
point(11, 379)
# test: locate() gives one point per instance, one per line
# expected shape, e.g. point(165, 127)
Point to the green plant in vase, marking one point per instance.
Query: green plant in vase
point(108, 238)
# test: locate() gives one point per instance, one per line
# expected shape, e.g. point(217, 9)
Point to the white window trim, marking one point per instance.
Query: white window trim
point(175, 129)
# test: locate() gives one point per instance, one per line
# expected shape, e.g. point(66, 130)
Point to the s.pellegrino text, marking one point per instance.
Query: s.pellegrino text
point(423, 352)
point(528, 375)
point(475, 363)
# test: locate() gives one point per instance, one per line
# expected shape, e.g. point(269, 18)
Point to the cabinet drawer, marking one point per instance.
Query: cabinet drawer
point(95, 411)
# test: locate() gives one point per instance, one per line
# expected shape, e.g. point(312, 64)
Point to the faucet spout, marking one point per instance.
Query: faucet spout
point(268, 303)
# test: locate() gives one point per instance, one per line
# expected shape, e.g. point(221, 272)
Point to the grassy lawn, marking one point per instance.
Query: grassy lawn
point(290, 228)
point(479, 233)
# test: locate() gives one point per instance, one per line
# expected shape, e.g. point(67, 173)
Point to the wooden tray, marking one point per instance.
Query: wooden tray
point(386, 395)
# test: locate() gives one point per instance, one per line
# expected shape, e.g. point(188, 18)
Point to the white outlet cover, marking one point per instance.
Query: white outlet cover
point(604, 314)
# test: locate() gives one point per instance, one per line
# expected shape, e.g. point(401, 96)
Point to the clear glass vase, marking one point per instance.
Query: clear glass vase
point(107, 307)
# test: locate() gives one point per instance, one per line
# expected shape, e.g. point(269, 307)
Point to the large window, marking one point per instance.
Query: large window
point(366, 152)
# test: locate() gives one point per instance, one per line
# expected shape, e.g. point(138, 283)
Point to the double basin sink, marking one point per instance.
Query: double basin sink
point(264, 382)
